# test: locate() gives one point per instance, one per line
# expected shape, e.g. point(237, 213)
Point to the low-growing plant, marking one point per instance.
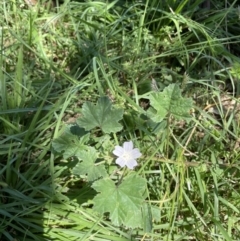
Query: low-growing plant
point(121, 193)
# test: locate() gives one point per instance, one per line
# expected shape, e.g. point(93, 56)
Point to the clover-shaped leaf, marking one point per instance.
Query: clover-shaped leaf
point(89, 166)
point(71, 142)
point(100, 115)
point(123, 201)
point(170, 102)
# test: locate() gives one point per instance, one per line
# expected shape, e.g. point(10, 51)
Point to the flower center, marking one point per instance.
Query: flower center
point(127, 155)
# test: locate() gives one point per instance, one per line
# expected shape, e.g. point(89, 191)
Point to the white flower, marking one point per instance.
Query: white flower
point(127, 155)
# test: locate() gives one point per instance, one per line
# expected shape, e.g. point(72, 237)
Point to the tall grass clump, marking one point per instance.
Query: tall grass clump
point(119, 121)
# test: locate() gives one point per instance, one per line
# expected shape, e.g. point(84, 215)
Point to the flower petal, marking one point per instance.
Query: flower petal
point(136, 153)
point(131, 163)
point(119, 151)
point(121, 162)
point(128, 145)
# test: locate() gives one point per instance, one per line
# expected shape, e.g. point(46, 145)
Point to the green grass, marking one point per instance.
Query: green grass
point(55, 61)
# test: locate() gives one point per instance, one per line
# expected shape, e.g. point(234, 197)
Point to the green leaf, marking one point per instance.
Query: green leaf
point(101, 115)
point(170, 102)
point(147, 217)
point(123, 202)
point(88, 165)
point(71, 142)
